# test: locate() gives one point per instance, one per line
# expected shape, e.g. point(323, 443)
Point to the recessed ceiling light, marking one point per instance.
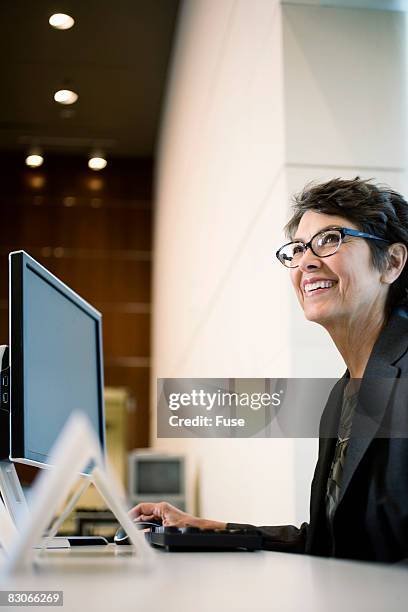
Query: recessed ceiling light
point(61, 21)
point(36, 181)
point(65, 96)
point(34, 161)
point(97, 163)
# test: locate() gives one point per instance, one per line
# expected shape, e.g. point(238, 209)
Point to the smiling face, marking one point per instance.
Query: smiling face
point(342, 288)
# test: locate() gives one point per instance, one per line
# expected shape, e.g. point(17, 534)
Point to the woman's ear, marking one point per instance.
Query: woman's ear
point(396, 259)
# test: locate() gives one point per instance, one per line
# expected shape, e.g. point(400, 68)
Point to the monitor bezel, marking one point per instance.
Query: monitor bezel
point(19, 261)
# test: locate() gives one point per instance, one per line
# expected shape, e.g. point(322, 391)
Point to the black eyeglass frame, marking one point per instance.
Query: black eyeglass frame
point(344, 231)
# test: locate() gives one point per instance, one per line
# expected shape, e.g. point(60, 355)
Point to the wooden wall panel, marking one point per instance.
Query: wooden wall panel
point(93, 230)
point(77, 227)
point(103, 280)
point(126, 334)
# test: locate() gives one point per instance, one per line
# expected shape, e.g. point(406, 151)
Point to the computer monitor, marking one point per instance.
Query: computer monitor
point(156, 477)
point(56, 361)
point(56, 368)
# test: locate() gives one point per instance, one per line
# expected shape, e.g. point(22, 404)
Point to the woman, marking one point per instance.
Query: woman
point(346, 256)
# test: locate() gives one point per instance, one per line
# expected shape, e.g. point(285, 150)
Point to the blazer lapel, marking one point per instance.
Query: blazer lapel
point(373, 399)
point(375, 394)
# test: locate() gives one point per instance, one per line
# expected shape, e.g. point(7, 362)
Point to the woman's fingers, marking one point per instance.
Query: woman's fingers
point(148, 511)
point(146, 517)
point(145, 508)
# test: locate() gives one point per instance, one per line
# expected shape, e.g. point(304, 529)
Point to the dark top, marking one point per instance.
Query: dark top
point(370, 520)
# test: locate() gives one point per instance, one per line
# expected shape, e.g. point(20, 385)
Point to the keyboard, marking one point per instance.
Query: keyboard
point(193, 539)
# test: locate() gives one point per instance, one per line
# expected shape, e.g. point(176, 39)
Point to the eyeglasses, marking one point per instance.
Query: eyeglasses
point(323, 244)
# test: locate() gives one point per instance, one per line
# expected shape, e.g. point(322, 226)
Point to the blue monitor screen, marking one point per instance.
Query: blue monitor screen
point(61, 359)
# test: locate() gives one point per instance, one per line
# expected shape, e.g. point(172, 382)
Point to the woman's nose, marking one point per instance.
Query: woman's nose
point(309, 261)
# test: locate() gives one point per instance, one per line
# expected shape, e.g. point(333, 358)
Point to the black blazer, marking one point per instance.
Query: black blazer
point(371, 519)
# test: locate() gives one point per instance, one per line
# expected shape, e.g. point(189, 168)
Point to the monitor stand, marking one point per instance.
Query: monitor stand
point(76, 447)
point(15, 506)
point(8, 530)
point(12, 492)
point(69, 506)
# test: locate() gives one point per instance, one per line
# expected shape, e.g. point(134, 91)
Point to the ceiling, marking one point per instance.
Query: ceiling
point(115, 57)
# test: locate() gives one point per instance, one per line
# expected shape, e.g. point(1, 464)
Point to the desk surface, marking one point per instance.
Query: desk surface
point(106, 579)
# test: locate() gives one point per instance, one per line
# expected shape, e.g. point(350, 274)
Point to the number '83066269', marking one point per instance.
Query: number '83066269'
point(35, 598)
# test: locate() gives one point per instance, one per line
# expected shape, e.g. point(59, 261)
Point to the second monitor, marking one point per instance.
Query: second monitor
point(156, 477)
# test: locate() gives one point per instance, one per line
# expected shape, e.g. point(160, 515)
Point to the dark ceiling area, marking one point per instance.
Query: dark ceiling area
point(116, 57)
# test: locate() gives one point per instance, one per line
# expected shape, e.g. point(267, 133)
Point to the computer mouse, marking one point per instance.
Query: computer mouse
point(121, 537)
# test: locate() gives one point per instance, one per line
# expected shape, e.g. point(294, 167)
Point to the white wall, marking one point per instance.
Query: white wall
point(221, 205)
point(258, 102)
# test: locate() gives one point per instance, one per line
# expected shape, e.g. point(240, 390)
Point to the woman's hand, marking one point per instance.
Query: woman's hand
point(171, 516)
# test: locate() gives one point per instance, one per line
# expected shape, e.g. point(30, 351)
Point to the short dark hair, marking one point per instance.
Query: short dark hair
point(373, 208)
